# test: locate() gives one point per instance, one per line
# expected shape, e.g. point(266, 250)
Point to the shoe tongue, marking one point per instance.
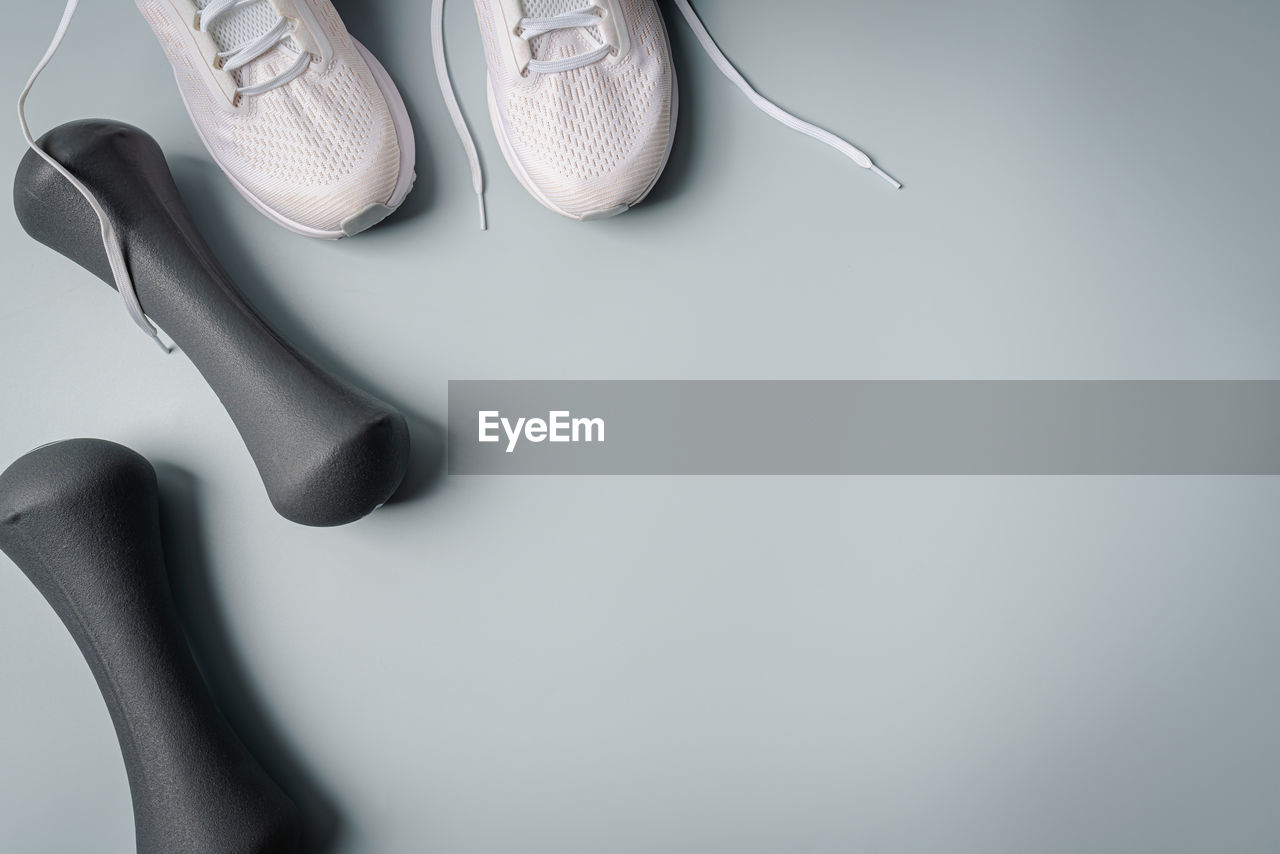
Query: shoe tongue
point(565, 42)
point(241, 25)
point(547, 8)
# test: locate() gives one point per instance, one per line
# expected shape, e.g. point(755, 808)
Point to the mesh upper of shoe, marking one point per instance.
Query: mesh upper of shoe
point(318, 150)
point(596, 137)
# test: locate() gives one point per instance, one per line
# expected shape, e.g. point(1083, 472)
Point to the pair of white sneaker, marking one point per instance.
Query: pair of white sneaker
point(311, 130)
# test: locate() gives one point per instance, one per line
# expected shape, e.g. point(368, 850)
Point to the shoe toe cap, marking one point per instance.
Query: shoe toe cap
point(593, 178)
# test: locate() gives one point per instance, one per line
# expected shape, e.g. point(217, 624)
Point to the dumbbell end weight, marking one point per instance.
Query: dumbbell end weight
point(81, 520)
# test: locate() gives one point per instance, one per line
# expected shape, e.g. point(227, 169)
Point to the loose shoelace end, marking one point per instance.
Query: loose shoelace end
point(484, 218)
point(162, 340)
point(886, 176)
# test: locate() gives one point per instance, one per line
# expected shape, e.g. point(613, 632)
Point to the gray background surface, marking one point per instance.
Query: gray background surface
point(576, 666)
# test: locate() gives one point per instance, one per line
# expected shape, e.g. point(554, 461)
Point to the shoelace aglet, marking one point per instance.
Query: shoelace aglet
point(484, 219)
point(157, 336)
point(885, 175)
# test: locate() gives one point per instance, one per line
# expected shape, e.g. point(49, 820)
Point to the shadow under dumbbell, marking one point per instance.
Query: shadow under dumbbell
point(216, 654)
point(426, 462)
point(200, 179)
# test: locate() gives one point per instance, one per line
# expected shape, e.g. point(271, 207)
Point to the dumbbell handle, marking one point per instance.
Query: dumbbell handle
point(328, 453)
point(80, 518)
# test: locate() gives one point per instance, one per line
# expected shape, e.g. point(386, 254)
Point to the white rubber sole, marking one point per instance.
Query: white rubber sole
point(373, 214)
point(522, 176)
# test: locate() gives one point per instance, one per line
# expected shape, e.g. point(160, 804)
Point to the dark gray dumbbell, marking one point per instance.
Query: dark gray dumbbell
point(80, 518)
point(327, 452)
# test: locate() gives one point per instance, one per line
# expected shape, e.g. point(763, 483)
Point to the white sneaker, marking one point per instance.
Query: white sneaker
point(304, 121)
point(583, 98)
point(299, 115)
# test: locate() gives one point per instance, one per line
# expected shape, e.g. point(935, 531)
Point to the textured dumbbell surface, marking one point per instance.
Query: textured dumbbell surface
point(328, 452)
point(81, 519)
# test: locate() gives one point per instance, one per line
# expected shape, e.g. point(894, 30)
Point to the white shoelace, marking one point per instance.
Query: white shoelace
point(232, 59)
point(237, 57)
point(585, 18)
point(451, 102)
point(768, 107)
point(110, 240)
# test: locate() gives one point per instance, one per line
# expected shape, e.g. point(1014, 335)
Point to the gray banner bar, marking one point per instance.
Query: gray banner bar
point(853, 428)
